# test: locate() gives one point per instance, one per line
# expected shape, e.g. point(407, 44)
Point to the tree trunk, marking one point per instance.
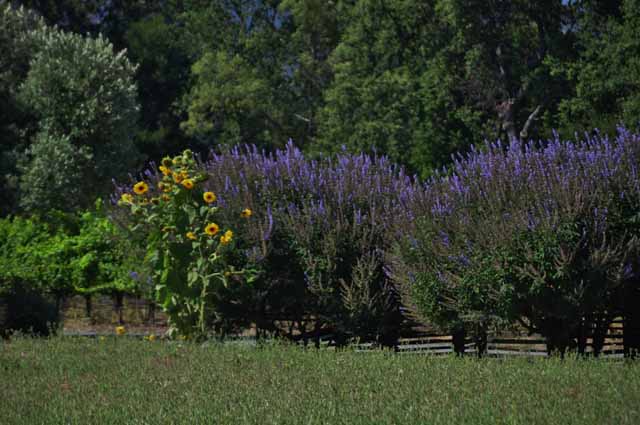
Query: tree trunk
point(458, 337)
point(119, 298)
point(480, 340)
point(506, 112)
point(88, 306)
point(631, 325)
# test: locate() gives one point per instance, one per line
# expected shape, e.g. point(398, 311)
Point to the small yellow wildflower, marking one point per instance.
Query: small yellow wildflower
point(246, 213)
point(211, 229)
point(165, 170)
point(120, 330)
point(126, 197)
point(151, 338)
point(226, 238)
point(192, 236)
point(140, 188)
point(188, 183)
point(209, 197)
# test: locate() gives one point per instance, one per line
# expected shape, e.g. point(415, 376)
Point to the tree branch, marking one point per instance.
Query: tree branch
point(525, 129)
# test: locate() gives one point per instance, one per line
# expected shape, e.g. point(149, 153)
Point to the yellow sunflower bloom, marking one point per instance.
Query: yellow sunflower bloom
point(188, 183)
point(246, 213)
point(167, 162)
point(165, 170)
point(227, 237)
point(126, 197)
point(140, 188)
point(192, 236)
point(209, 197)
point(120, 330)
point(212, 229)
point(177, 177)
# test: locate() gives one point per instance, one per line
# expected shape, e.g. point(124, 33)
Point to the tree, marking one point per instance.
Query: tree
point(606, 74)
point(16, 49)
point(421, 80)
point(84, 98)
point(390, 77)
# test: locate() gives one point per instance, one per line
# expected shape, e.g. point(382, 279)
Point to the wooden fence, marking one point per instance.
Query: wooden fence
point(141, 318)
point(534, 346)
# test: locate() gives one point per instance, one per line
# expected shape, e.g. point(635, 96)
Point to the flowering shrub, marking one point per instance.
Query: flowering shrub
point(190, 254)
point(545, 235)
point(317, 230)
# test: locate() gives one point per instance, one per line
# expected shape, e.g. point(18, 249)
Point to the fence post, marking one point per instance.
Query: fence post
point(631, 323)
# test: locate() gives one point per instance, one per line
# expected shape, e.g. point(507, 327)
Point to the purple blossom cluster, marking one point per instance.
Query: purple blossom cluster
point(535, 184)
point(538, 230)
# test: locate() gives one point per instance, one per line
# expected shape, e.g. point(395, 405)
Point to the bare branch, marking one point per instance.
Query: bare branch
point(525, 129)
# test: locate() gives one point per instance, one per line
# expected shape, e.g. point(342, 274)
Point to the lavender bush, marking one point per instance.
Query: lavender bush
point(544, 235)
point(318, 234)
point(541, 234)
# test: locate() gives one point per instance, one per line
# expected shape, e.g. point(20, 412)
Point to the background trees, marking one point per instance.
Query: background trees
point(411, 79)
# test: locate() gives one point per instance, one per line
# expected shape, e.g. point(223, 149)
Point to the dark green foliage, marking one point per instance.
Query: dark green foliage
point(605, 76)
point(17, 47)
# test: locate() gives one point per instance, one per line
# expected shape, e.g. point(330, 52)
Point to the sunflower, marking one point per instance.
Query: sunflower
point(188, 183)
point(166, 198)
point(140, 188)
point(165, 170)
point(246, 213)
point(211, 229)
point(127, 198)
point(120, 330)
point(166, 162)
point(209, 197)
point(177, 177)
point(192, 236)
point(226, 238)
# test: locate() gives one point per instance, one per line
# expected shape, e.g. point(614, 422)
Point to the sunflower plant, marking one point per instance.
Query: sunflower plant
point(189, 251)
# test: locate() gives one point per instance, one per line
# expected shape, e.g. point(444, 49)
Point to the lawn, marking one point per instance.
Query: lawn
point(125, 380)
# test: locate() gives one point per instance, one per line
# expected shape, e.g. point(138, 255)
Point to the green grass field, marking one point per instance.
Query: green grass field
point(123, 380)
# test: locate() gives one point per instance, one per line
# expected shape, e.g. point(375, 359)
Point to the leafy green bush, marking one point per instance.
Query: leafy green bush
point(64, 255)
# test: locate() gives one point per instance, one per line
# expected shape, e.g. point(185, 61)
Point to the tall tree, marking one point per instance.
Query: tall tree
point(606, 75)
point(17, 47)
point(420, 80)
point(85, 99)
